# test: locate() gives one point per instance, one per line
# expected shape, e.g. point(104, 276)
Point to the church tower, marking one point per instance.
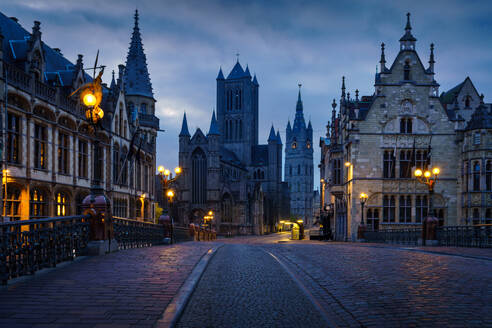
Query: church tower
point(237, 111)
point(299, 164)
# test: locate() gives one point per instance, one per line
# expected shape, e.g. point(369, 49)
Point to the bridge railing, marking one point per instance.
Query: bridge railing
point(30, 245)
point(408, 236)
point(131, 233)
point(465, 236)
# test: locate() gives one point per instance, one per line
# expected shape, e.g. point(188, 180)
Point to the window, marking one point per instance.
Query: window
point(388, 209)
point(406, 71)
point(405, 164)
point(39, 204)
point(99, 164)
point(138, 208)
point(465, 176)
point(116, 125)
point(488, 175)
point(146, 177)
point(63, 153)
point(476, 138)
point(373, 219)
point(116, 163)
point(406, 125)
point(299, 169)
point(405, 209)
point(467, 102)
point(143, 108)
point(294, 145)
point(388, 164)
point(12, 204)
point(139, 175)
point(119, 207)
point(420, 208)
point(13, 138)
point(124, 168)
point(476, 176)
point(40, 141)
point(61, 204)
point(476, 216)
point(199, 177)
point(421, 159)
point(83, 159)
point(337, 171)
point(488, 216)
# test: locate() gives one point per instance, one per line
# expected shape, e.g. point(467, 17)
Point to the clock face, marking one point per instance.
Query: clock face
point(308, 145)
point(294, 145)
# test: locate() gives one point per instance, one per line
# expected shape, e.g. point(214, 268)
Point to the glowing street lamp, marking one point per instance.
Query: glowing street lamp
point(425, 177)
point(363, 198)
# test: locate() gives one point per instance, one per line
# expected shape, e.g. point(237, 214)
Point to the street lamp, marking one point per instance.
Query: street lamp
point(425, 177)
point(363, 198)
point(208, 218)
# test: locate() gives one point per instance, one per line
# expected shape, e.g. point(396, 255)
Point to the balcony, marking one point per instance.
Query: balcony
point(148, 120)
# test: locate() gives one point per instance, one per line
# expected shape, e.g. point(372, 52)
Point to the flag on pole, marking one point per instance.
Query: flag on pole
point(429, 150)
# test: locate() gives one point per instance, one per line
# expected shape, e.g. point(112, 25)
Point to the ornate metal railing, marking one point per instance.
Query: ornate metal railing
point(45, 92)
point(465, 236)
point(408, 236)
point(30, 245)
point(132, 233)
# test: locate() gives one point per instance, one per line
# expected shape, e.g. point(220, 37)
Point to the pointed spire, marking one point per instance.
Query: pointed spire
point(279, 139)
point(431, 59)
point(333, 112)
point(357, 95)
point(343, 87)
point(137, 79)
point(272, 137)
point(255, 81)
point(289, 128)
point(310, 126)
point(80, 63)
point(113, 82)
point(247, 73)
point(221, 75)
point(184, 127)
point(382, 61)
point(237, 72)
point(407, 41)
point(299, 100)
point(214, 126)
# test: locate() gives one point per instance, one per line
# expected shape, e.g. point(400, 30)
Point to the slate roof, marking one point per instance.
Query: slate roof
point(259, 155)
point(480, 119)
point(137, 79)
point(237, 72)
point(184, 128)
point(448, 96)
point(214, 126)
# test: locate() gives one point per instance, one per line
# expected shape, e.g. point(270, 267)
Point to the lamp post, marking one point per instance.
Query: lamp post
point(208, 219)
point(360, 231)
point(425, 177)
point(167, 179)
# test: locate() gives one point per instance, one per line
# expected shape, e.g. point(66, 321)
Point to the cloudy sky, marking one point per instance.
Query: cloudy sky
point(284, 43)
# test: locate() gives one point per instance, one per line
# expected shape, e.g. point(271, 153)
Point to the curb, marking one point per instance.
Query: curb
point(175, 309)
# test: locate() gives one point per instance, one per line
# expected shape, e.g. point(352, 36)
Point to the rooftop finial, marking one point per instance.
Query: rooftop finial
point(343, 87)
point(382, 61)
point(431, 59)
point(356, 94)
point(408, 28)
point(237, 57)
point(299, 95)
point(481, 99)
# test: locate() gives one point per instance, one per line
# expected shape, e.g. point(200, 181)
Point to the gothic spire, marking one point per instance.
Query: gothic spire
point(247, 73)
point(184, 128)
point(221, 75)
point(407, 41)
point(214, 126)
point(382, 61)
point(279, 139)
point(299, 100)
point(431, 59)
point(289, 128)
point(113, 82)
point(137, 79)
point(272, 136)
point(255, 81)
point(343, 87)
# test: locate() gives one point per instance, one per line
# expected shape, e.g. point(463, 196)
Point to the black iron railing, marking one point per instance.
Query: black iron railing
point(408, 236)
point(30, 245)
point(132, 233)
point(465, 236)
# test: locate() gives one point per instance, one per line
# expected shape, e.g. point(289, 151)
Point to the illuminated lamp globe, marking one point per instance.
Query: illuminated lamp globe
point(347, 164)
point(418, 172)
point(170, 194)
point(160, 168)
point(436, 171)
point(177, 170)
point(427, 174)
point(89, 99)
point(167, 172)
point(210, 213)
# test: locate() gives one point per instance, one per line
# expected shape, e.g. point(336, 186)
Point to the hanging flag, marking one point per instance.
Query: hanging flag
point(429, 150)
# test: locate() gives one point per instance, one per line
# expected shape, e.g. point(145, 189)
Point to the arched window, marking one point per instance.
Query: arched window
point(406, 125)
point(262, 175)
point(476, 176)
point(61, 201)
point(420, 208)
point(38, 204)
point(199, 177)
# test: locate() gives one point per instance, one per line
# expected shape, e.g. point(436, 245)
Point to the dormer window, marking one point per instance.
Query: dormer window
point(467, 101)
point(406, 71)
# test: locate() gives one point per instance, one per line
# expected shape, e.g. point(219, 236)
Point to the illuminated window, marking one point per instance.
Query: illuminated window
point(61, 204)
point(39, 204)
point(294, 145)
point(63, 153)
point(308, 145)
point(13, 138)
point(13, 203)
point(40, 140)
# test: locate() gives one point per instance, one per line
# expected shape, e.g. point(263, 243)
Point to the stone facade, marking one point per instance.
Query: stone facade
point(298, 168)
point(376, 142)
point(48, 148)
point(227, 171)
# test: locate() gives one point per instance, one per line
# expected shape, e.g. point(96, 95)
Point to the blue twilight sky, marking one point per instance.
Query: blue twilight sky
point(284, 43)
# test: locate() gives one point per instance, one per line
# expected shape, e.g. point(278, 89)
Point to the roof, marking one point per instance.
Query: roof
point(229, 156)
point(272, 136)
point(220, 76)
point(237, 72)
point(259, 155)
point(137, 79)
point(449, 96)
point(214, 126)
point(480, 119)
point(184, 128)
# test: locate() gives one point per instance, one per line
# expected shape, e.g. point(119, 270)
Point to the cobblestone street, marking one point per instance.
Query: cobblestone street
point(265, 281)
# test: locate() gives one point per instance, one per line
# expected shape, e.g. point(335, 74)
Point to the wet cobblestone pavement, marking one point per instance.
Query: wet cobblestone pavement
point(244, 286)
